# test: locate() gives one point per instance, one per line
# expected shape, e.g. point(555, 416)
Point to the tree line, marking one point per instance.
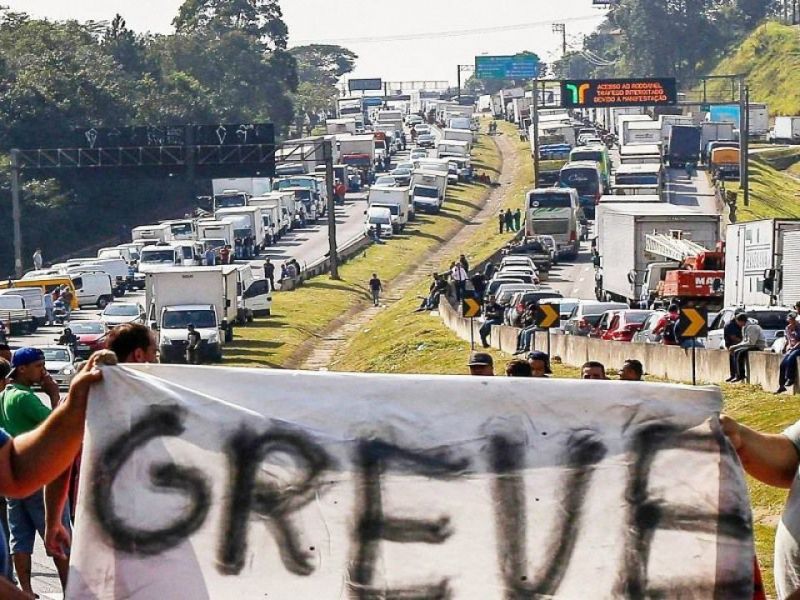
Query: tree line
point(665, 38)
point(227, 61)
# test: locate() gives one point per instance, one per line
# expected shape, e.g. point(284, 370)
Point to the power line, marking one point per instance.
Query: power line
point(440, 34)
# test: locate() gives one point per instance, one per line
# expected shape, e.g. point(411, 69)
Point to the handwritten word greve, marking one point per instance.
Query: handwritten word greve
point(251, 495)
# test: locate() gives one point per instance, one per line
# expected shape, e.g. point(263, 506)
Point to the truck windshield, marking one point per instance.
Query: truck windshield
point(158, 256)
point(296, 182)
point(550, 200)
point(181, 319)
point(182, 229)
point(585, 181)
point(426, 192)
point(230, 200)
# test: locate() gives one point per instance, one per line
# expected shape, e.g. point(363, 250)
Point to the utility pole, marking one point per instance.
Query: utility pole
point(535, 123)
point(327, 153)
point(16, 213)
point(744, 140)
point(562, 29)
point(459, 69)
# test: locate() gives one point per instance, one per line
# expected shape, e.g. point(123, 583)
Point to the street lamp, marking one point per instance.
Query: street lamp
point(460, 69)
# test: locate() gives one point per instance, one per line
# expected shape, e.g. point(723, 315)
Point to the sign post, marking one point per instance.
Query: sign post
point(547, 317)
point(471, 308)
point(693, 324)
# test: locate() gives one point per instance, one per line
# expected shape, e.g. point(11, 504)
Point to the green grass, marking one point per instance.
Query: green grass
point(773, 194)
point(770, 59)
point(401, 341)
point(301, 315)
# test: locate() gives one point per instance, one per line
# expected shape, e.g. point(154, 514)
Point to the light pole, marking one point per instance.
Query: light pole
point(460, 69)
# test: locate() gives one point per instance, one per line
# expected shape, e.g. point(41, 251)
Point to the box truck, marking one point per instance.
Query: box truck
point(786, 130)
point(155, 233)
point(621, 262)
point(684, 145)
point(638, 133)
point(397, 200)
point(428, 190)
point(754, 261)
point(202, 296)
point(247, 221)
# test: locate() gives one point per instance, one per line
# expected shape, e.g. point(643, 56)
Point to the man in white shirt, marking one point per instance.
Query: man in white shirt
point(460, 278)
point(752, 339)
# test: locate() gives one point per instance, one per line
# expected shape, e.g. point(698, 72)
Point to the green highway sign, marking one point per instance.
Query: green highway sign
point(520, 66)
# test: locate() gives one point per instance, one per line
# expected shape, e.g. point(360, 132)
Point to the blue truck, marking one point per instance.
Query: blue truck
point(684, 145)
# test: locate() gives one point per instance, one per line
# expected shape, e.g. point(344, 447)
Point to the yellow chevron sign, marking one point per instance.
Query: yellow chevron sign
point(693, 323)
point(470, 308)
point(547, 316)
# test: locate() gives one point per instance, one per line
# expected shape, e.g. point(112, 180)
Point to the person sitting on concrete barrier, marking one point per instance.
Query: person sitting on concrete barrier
point(540, 364)
point(632, 370)
point(666, 326)
point(518, 368)
point(593, 370)
point(493, 315)
point(788, 369)
point(527, 322)
point(481, 364)
point(437, 288)
point(752, 339)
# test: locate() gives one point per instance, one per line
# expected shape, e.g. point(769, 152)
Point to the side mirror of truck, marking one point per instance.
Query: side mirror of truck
point(632, 277)
point(716, 285)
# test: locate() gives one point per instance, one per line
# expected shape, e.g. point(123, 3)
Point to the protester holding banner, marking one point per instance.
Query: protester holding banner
point(481, 364)
point(774, 460)
point(593, 370)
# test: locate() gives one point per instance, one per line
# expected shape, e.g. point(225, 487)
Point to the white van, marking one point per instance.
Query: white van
point(116, 268)
point(157, 256)
point(255, 295)
point(379, 215)
point(33, 301)
point(93, 288)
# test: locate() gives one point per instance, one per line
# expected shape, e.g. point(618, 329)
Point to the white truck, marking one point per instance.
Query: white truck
point(639, 133)
point(161, 232)
point(463, 135)
point(211, 229)
point(621, 261)
point(428, 190)
point(116, 268)
point(623, 120)
point(756, 261)
point(667, 121)
point(275, 212)
point(247, 221)
point(397, 200)
point(340, 126)
point(252, 186)
point(158, 256)
point(202, 296)
point(786, 130)
point(254, 293)
point(182, 229)
point(452, 148)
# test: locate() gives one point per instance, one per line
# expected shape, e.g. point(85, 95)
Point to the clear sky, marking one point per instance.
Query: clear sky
point(433, 53)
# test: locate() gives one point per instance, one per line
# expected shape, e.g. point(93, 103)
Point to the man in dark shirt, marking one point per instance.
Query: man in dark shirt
point(376, 287)
point(493, 315)
point(269, 273)
point(732, 332)
point(193, 348)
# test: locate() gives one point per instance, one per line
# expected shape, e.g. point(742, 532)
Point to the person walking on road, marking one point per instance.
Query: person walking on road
point(501, 220)
point(193, 347)
point(376, 287)
point(509, 219)
point(37, 259)
point(66, 297)
point(238, 247)
point(517, 219)
point(269, 274)
point(47, 301)
point(210, 257)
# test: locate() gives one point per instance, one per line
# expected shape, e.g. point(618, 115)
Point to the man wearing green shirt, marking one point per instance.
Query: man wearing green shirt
point(22, 411)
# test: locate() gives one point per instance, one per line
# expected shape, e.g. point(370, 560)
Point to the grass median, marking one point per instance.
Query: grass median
point(402, 341)
point(303, 314)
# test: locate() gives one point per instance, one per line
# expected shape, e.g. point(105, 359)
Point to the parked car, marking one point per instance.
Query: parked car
point(91, 336)
point(517, 259)
point(645, 334)
point(418, 153)
point(525, 277)
point(771, 318)
point(505, 293)
point(60, 363)
point(586, 315)
point(495, 284)
point(621, 325)
point(426, 140)
point(517, 271)
point(423, 129)
point(120, 313)
point(521, 300)
point(402, 177)
point(386, 181)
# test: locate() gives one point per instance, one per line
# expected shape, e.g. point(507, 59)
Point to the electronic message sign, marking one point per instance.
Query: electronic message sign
point(598, 93)
point(365, 85)
point(521, 66)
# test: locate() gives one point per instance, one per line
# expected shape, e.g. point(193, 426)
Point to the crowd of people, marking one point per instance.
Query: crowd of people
point(537, 364)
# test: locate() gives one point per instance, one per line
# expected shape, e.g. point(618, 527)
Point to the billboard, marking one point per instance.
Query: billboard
point(364, 85)
point(593, 93)
point(520, 66)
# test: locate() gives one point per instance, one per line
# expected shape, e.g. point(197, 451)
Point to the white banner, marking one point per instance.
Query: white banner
point(220, 483)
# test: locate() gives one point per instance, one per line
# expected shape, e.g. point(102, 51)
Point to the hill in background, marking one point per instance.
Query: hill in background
point(770, 59)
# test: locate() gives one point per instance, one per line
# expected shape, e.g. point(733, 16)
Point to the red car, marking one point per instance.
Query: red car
point(91, 337)
point(620, 325)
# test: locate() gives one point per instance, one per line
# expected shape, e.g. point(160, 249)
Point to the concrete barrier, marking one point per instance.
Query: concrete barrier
point(665, 362)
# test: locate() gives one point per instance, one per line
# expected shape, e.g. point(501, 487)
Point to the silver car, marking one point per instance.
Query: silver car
point(586, 315)
point(645, 335)
point(60, 364)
